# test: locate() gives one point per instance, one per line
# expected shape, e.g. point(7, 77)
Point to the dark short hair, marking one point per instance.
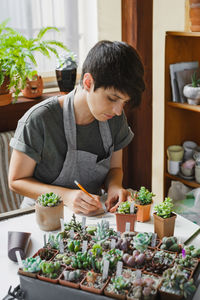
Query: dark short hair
point(116, 65)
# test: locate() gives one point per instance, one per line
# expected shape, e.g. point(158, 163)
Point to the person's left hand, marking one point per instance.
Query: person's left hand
point(116, 195)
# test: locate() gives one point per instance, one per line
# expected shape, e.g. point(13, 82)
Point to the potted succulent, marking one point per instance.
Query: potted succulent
point(72, 278)
point(117, 287)
point(66, 72)
point(176, 284)
point(124, 216)
point(93, 282)
point(31, 266)
point(143, 200)
point(17, 57)
point(192, 91)
point(143, 288)
point(170, 244)
point(164, 218)
point(50, 271)
point(49, 211)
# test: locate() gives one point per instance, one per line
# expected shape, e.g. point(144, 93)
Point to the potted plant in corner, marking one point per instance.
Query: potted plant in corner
point(49, 211)
point(143, 200)
point(123, 216)
point(164, 218)
point(66, 72)
point(192, 91)
point(17, 57)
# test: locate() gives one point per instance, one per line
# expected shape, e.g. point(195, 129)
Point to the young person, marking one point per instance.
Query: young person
point(80, 136)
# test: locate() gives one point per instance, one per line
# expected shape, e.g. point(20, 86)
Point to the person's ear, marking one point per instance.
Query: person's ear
point(88, 81)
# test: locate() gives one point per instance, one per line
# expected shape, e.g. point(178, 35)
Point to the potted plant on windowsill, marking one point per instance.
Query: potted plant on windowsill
point(164, 218)
point(49, 211)
point(123, 216)
point(17, 57)
point(143, 200)
point(66, 72)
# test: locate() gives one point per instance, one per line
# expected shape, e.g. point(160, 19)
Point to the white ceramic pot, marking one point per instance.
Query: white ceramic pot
point(192, 94)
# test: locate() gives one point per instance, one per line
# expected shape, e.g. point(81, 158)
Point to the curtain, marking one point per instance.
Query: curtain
point(76, 20)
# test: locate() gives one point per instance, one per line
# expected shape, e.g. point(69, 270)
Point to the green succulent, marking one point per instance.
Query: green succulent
point(49, 199)
point(195, 80)
point(144, 196)
point(124, 208)
point(164, 209)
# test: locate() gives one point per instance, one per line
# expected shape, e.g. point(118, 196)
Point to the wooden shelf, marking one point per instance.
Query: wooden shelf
point(183, 33)
point(190, 183)
point(11, 113)
point(181, 119)
point(184, 106)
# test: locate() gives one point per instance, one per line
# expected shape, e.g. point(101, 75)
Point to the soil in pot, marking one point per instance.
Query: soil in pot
point(95, 286)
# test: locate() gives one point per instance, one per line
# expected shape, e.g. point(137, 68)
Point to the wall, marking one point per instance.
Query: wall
point(167, 16)
point(109, 20)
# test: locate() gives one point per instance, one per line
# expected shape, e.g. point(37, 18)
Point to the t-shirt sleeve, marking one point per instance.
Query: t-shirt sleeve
point(123, 134)
point(28, 137)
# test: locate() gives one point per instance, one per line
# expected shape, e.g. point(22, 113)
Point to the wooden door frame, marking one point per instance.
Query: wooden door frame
point(137, 24)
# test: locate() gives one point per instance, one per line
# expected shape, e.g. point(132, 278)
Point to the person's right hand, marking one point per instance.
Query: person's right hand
point(80, 202)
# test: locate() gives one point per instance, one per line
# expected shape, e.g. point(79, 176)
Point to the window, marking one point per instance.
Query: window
point(76, 20)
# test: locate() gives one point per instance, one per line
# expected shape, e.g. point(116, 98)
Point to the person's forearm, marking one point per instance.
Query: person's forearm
point(32, 188)
point(114, 178)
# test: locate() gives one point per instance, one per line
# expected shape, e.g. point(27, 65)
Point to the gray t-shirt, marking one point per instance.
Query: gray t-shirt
point(40, 135)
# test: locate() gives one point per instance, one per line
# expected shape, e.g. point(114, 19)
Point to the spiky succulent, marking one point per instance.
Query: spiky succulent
point(49, 199)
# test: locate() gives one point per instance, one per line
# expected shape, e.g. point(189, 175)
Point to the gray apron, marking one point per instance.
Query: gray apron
point(81, 165)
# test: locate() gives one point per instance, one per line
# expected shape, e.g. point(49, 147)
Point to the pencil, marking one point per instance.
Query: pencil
point(82, 188)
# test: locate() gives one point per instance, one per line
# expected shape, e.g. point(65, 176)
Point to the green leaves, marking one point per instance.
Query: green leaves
point(144, 196)
point(164, 209)
point(49, 199)
point(195, 80)
point(17, 54)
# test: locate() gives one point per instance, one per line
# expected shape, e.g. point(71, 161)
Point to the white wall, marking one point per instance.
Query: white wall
point(168, 15)
point(109, 20)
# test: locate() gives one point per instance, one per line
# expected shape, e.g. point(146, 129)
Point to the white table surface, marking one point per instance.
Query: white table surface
point(27, 223)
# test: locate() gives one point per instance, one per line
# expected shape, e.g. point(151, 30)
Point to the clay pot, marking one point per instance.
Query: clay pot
point(113, 295)
point(34, 88)
point(164, 227)
point(43, 255)
point(122, 219)
point(5, 95)
point(28, 274)
point(92, 289)
point(48, 218)
point(167, 296)
point(75, 285)
point(143, 212)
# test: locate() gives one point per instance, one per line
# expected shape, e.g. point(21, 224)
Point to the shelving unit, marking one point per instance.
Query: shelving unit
point(182, 121)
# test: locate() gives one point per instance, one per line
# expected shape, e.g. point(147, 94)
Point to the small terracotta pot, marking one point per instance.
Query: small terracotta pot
point(167, 296)
point(92, 289)
point(52, 251)
point(122, 219)
point(34, 88)
point(28, 274)
point(75, 285)
point(143, 212)
point(113, 295)
point(48, 218)
point(164, 227)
